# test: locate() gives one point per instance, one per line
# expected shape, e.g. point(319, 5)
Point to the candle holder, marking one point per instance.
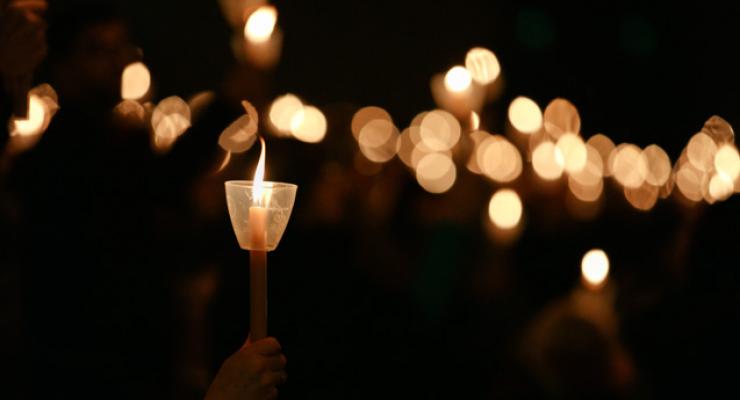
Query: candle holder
point(277, 200)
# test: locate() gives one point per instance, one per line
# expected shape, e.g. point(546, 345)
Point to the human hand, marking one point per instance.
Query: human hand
point(252, 373)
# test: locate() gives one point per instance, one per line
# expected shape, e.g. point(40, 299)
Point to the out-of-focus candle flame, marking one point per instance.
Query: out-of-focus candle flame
point(525, 115)
point(505, 209)
point(720, 187)
point(642, 198)
point(560, 117)
point(604, 146)
point(573, 149)
point(701, 150)
point(130, 111)
point(629, 166)
point(170, 119)
point(436, 173)
point(498, 159)
point(547, 161)
point(585, 192)
point(458, 79)
point(658, 165)
point(482, 64)
point(439, 130)
point(595, 268)
point(474, 121)
point(689, 180)
point(33, 124)
point(135, 81)
point(377, 135)
point(587, 184)
point(365, 115)
point(727, 162)
point(258, 183)
point(308, 125)
point(282, 112)
point(261, 24)
point(593, 171)
point(26, 132)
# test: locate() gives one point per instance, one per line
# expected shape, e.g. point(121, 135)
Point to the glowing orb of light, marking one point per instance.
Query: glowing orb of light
point(309, 126)
point(595, 268)
point(727, 162)
point(505, 209)
point(261, 24)
point(458, 79)
point(482, 64)
point(135, 81)
point(525, 115)
point(35, 120)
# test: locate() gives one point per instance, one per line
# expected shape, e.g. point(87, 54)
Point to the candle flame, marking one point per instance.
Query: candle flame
point(33, 124)
point(595, 268)
point(259, 176)
point(135, 81)
point(261, 24)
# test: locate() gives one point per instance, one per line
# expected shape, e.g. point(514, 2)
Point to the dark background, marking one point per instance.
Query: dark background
point(123, 279)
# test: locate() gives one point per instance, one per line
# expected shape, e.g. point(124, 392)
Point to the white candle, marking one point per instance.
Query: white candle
point(258, 253)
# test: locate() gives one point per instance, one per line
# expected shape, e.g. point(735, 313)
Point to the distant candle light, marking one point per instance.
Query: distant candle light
point(33, 124)
point(720, 187)
point(309, 125)
point(135, 81)
point(573, 149)
point(604, 146)
point(282, 113)
point(436, 173)
point(261, 24)
point(458, 79)
point(700, 151)
point(474, 121)
point(482, 64)
point(505, 209)
point(547, 161)
point(658, 165)
point(439, 130)
point(629, 166)
point(727, 162)
point(525, 115)
point(560, 117)
point(595, 268)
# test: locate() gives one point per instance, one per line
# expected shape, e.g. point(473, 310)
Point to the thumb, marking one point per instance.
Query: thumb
point(248, 342)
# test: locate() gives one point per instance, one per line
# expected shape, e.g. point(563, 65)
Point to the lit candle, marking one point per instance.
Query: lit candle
point(259, 214)
point(594, 298)
point(594, 269)
point(258, 252)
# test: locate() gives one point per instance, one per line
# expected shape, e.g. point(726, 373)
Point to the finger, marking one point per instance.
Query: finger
point(270, 394)
point(247, 342)
point(275, 363)
point(267, 347)
point(273, 378)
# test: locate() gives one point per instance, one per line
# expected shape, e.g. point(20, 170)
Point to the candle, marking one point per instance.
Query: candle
point(258, 252)
point(594, 298)
point(259, 214)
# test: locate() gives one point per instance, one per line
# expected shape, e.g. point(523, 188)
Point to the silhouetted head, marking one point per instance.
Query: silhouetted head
point(89, 47)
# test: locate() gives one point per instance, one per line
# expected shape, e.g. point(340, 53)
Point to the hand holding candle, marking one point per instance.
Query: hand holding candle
point(259, 212)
